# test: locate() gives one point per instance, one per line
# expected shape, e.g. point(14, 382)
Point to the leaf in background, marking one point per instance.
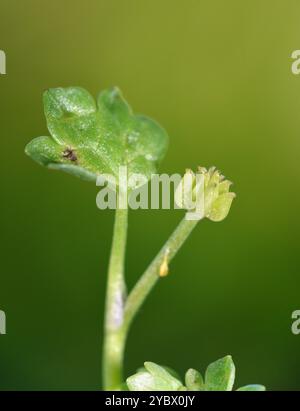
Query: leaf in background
point(154, 378)
point(168, 369)
point(194, 380)
point(252, 387)
point(88, 139)
point(174, 373)
point(219, 375)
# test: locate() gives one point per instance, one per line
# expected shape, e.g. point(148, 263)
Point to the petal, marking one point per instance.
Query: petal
point(224, 186)
point(220, 207)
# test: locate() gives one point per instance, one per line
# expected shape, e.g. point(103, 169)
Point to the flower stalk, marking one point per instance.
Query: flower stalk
point(153, 273)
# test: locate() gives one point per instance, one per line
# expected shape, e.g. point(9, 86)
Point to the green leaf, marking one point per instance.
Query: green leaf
point(154, 378)
point(219, 375)
point(89, 139)
point(172, 372)
point(194, 380)
point(252, 387)
point(168, 369)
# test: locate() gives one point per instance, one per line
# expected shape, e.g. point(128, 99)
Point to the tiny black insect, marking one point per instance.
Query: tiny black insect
point(70, 154)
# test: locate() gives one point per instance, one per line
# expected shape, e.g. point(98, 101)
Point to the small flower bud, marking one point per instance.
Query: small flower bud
point(205, 192)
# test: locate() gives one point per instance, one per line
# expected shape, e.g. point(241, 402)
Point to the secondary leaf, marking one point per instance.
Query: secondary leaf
point(219, 375)
point(89, 139)
point(252, 387)
point(194, 380)
point(154, 378)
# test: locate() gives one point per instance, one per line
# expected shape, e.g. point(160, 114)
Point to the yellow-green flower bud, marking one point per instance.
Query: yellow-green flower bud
point(206, 193)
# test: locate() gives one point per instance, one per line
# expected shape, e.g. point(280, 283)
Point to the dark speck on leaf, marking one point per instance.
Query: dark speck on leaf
point(70, 154)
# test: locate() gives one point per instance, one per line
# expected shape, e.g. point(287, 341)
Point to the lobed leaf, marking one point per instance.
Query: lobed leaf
point(89, 139)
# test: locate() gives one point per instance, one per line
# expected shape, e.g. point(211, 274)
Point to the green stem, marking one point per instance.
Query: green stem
point(114, 336)
point(151, 275)
point(120, 315)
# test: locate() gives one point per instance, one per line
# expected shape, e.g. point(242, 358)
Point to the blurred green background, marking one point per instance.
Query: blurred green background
point(217, 75)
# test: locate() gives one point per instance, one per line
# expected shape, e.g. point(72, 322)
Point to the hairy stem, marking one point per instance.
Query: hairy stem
point(114, 337)
point(152, 274)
